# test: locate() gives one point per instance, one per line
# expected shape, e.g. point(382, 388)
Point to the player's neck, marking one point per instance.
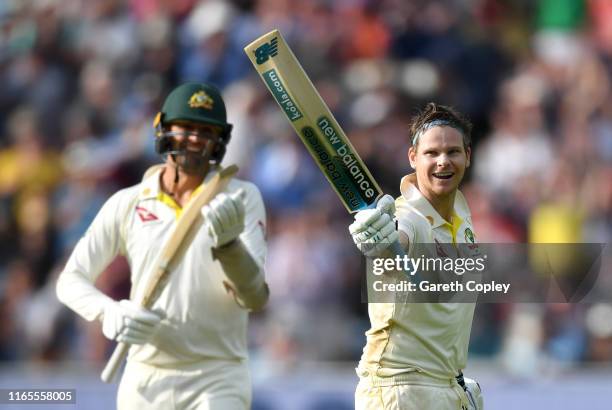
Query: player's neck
point(181, 188)
point(444, 205)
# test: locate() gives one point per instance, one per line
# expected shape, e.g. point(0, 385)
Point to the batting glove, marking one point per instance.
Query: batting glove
point(374, 229)
point(472, 389)
point(224, 217)
point(127, 322)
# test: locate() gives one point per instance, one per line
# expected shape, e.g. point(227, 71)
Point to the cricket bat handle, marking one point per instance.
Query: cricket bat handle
point(113, 364)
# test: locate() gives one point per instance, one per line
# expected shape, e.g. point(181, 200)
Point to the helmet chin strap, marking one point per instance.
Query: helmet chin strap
point(176, 175)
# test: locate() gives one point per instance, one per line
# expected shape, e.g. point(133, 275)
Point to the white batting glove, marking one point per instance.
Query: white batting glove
point(224, 217)
point(472, 389)
point(374, 229)
point(127, 322)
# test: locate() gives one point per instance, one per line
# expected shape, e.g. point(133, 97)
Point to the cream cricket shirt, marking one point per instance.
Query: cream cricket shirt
point(430, 338)
point(201, 319)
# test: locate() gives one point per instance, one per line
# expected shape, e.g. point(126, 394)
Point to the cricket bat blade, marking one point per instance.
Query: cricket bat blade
point(313, 121)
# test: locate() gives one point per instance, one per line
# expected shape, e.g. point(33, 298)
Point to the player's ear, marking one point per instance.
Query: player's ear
point(412, 156)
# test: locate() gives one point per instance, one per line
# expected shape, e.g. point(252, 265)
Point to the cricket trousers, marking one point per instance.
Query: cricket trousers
point(206, 385)
point(410, 391)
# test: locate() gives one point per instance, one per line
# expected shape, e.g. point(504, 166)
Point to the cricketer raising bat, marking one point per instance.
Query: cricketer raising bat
point(313, 121)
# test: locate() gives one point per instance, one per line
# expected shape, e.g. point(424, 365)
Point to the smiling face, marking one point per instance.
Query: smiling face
point(193, 145)
point(440, 160)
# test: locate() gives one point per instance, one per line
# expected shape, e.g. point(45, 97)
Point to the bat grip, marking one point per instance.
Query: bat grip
point(118, 356)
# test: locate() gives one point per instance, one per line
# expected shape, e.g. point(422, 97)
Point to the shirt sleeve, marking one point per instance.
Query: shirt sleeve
point(92, 254)
point(254, 235)
point(244, 263)
point(403, 217)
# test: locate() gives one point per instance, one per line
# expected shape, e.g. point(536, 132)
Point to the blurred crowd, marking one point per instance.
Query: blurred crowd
point(83, 79)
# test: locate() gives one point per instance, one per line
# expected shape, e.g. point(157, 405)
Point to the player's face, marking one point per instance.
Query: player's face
point(197, 141)
point(440, 161)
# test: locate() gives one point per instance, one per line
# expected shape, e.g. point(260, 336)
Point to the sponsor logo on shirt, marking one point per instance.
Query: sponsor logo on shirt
point(145, 215)
point(469, 235)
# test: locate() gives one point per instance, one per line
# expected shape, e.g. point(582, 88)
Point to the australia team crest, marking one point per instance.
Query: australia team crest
point(201, 100)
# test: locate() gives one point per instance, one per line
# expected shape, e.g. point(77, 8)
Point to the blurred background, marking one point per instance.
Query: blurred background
point(83, 79)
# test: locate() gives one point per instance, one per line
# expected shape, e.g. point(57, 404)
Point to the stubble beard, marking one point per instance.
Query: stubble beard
point(192, 163)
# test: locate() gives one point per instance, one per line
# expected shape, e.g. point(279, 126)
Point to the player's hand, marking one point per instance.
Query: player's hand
point(224, 217)
point(474, 394)
point(127, 322)
point(374, 229)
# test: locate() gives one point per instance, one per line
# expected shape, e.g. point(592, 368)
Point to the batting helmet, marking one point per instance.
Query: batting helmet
point(195, 102)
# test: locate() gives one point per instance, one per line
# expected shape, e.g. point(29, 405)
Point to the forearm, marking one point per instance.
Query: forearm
point(79, 294)
point(244, 273)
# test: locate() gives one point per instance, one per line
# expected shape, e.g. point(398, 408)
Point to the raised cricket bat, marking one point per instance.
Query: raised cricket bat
point(313, 121)
point(185, 222)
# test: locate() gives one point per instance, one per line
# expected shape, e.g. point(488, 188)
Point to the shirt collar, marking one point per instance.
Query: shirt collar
point(416, 200)
point(150, 186)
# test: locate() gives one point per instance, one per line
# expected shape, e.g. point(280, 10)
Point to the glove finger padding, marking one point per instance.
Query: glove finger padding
point(214, 214)
point(238, 198)
point(235, 209)
point(382, 222)
point(365, 235)
point(375, 248)
point(373, 231)
point(363, 220)
point(392, 237)
point(231, 213)
point(135, 335)
point(225, 212)
point(138, 326)
point(377, 235)
point(125, 321)
point(224, 217)
point(474, 393)
point(134, 312)
point(239, 195)
point(371, 224)
point(211, 221)
point(368, 216)
point(386, 205)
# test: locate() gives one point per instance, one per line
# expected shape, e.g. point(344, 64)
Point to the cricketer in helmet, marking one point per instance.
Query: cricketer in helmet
point(192, 128)
point(189, 344)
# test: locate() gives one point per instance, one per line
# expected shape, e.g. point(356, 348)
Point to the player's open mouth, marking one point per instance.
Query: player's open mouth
point(443, 175)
